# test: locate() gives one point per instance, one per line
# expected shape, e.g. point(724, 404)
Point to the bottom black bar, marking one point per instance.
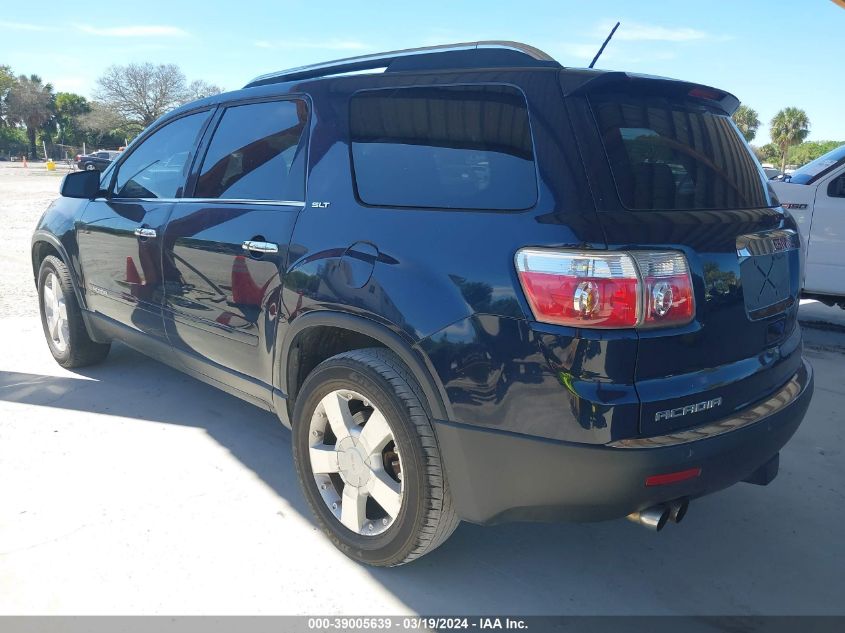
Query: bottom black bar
point(306, 624)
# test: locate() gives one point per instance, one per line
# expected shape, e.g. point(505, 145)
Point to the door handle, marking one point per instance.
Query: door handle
point(260, 247)
point(145, 232)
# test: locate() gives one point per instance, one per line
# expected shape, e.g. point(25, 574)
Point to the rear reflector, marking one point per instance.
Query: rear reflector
point(671, 478)
point(607, 289)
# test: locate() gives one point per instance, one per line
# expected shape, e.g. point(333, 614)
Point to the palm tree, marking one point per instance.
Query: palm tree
point(747, 121)
point(30, 103)
point(789, 127)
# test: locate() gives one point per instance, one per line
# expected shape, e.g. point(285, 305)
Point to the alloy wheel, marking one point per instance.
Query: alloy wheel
point(55, 313)
point(355, 462)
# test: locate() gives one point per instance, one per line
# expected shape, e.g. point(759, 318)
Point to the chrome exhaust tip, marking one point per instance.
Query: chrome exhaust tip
point(678, 510)
point(653, 518)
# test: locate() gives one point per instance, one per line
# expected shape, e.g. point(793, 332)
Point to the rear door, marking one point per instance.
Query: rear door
point(225, 246)
point(671, 172)
point(119, 234)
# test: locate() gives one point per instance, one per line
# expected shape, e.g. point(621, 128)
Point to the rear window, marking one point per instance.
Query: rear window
point(463, 147)
point(676, 154)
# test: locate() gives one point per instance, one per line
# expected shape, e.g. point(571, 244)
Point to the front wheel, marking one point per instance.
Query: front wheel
point(61, 318)
point(368, 461)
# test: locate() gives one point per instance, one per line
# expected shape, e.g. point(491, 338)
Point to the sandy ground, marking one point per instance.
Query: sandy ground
point(24, 195)
point(129, 488)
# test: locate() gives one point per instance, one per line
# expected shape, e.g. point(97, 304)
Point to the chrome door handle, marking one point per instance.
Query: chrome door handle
point(260, 247)
point(145, 232)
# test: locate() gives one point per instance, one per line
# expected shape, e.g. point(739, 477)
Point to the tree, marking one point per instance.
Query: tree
point(69, 108)
point(105, 127)
point(811, 150)
point(770, 153)
point(141, 93)
point(747, 121)
point(199, 89)
point(30, 103)
point(7, 80)
point(790, 127)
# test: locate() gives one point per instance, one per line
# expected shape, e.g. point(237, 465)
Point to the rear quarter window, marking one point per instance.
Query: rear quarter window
point(668, 154)
point(457, 147)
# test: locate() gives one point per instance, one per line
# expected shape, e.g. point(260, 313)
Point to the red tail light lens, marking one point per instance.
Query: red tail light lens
point(580, 289)
point(606, 290)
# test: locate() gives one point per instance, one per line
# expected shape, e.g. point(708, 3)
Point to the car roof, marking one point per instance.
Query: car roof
point(478, 56)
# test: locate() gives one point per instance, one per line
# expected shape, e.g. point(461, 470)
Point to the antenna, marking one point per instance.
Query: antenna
point(601, 50)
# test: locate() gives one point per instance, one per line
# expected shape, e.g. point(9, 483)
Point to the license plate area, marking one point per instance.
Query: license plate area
point(768, 268)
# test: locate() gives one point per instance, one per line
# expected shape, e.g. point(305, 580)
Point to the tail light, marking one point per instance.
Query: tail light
point(644, 289)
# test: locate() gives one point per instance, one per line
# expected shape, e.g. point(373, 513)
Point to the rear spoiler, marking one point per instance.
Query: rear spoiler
point(585, 81)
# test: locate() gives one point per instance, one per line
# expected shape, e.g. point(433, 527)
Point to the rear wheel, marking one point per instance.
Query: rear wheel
point(367, 459)
point(61, 318)
point(90, 167)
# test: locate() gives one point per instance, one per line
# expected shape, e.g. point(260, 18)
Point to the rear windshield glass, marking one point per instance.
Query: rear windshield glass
point(461, 147)
point(818, 167)
point(676, 154)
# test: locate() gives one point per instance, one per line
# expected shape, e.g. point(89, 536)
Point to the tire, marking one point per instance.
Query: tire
point(90, 167)
point(67, 337)
point(426, 515)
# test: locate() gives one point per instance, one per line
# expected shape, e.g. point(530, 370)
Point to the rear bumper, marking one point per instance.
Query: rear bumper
point(498, 476)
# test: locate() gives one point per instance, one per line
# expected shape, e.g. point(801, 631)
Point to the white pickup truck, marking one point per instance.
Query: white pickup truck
point(815, 196)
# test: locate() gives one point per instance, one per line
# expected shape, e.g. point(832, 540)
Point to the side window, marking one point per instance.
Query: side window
point(257, 153)
point(836, 188)
point(460, 147)
point(157, 167)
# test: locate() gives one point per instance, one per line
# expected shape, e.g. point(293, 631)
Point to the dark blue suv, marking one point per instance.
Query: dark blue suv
point(476, 285)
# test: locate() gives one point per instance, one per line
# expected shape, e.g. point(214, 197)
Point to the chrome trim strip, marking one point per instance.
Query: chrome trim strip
point(767, 243)
point(277, 203)
point(373, 61)
point(785, 396)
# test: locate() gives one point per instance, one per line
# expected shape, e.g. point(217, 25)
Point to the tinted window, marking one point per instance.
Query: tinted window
point(447, 147)
point(672, 154)
point(157, 167)
point(256, 153)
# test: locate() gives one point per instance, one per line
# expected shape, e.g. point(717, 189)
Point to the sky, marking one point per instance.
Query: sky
point(771, 54)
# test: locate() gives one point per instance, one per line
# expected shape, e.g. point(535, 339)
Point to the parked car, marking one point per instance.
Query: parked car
point(772, 173)
point(477, 285)
point(97, 161)
point(815, 196)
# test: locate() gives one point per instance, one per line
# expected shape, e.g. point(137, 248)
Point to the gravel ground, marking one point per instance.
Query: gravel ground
point(24, 195)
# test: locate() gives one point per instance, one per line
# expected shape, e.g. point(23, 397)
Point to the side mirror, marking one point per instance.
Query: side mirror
point(81, 184)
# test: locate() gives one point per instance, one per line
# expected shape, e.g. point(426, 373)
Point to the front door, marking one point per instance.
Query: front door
point(825, 261)
point(119, 233)
point(225, 247)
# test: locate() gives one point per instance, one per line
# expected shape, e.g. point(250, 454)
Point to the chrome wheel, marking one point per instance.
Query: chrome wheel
point(90, 167)
point(55, 313)
point(355, 462)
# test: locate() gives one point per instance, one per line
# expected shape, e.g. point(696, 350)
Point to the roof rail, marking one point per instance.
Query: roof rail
point(516, 52)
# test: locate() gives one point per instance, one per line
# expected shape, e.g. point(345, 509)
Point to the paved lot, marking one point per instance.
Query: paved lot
point(130, 488)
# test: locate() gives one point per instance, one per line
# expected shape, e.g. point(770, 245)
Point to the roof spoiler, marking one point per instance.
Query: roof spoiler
point(585, 81)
